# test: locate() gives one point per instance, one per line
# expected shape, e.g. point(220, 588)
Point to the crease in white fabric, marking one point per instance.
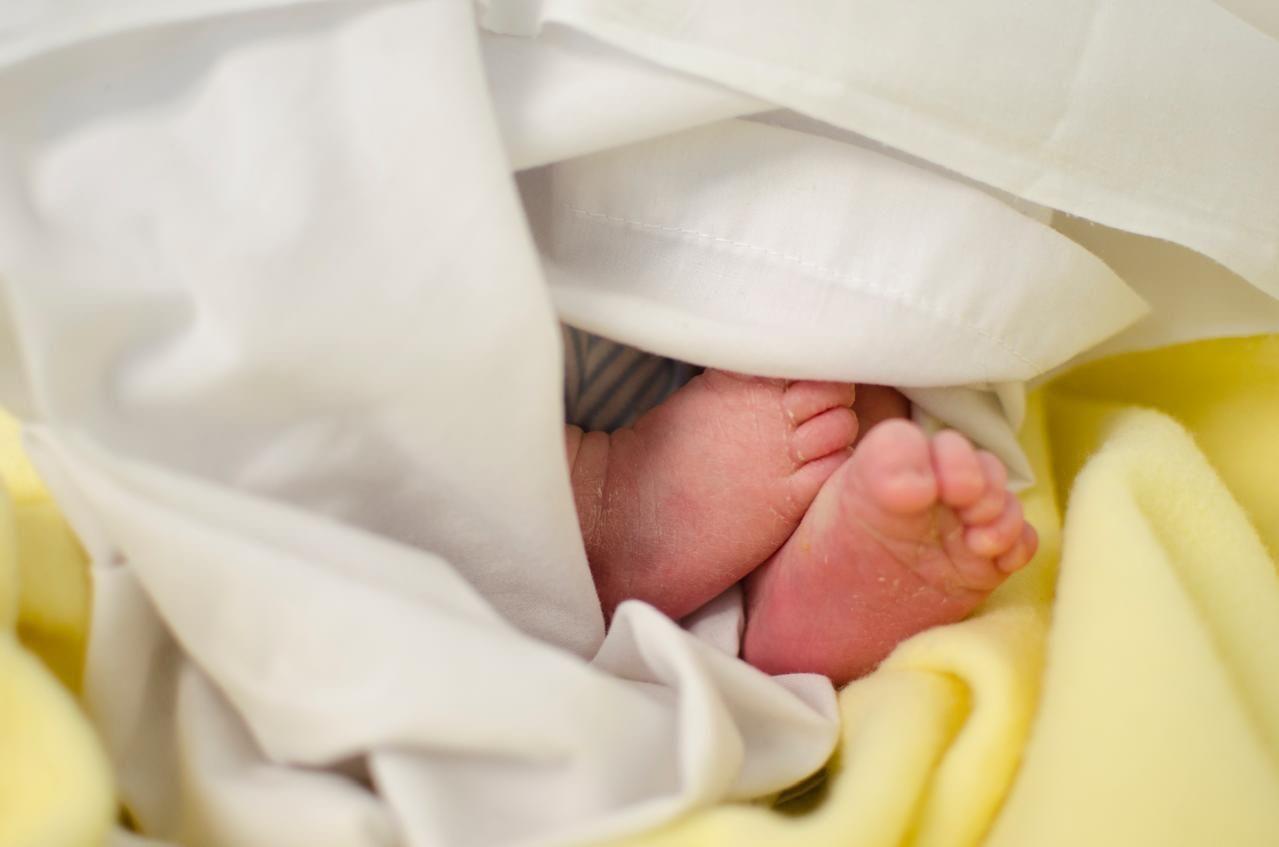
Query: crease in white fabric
point(996, 142)
point(886, 292)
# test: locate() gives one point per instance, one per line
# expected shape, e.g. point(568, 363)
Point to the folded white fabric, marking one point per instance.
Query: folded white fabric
point(272, 311)
point(557, 96)
point(766, 250)
point(272, 299)
point(1091, 108)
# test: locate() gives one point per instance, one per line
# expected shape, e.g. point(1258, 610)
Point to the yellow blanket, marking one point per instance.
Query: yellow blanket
point(54, 781)
point(1124, 689)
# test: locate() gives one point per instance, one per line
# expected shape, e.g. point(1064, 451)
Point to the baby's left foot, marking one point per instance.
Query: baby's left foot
point(909, 533)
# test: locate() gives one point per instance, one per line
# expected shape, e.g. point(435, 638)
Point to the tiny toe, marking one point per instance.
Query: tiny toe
point(895, 463)
point(716, 373)
point(832, 430)
point(1021, 553)
point(979, 574)
point(807, 399)
point(810, 477)
point(997, 537)
point(959, 474)
point(994, 492)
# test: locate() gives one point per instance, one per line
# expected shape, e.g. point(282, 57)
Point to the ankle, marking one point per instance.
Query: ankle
point(588, 454)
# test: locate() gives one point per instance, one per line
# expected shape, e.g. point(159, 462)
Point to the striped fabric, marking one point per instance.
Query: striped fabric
point(609, 385)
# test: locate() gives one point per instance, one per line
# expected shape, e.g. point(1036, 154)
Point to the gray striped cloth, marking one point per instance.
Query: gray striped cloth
point(609, 385)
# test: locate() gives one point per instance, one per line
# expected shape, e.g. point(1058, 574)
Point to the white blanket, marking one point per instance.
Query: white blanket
point(276, 319)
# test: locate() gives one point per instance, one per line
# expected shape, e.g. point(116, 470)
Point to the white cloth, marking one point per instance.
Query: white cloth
point(557, 96)
point(765, 250)
point(1090, 108)
point(1189, 295)
point(308, 422)
point(290, 362)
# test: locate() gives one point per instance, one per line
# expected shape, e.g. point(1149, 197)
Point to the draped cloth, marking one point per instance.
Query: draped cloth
point(282, 331)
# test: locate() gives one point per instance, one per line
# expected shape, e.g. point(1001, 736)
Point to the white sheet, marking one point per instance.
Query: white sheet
point(308, 421)
point(289, 357)
point(1074, 106)
point(766, 250)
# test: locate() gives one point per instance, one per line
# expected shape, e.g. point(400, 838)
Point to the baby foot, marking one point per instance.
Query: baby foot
point(706, 486)
point(909, 533)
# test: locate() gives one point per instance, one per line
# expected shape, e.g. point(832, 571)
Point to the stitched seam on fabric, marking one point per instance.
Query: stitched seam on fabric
point(865, 285)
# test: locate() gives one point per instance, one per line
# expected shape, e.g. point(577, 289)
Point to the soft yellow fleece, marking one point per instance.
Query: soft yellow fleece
point(55, 788)
point(1124, 688)
point(1121, 690)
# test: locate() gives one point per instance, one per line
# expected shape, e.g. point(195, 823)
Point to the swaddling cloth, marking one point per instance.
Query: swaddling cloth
point(608, 385)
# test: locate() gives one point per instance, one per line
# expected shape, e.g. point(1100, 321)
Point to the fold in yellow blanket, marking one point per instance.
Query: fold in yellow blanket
point(1122, 690)
point(54, 782)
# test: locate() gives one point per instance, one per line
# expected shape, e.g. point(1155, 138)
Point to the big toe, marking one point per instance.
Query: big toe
point(894, 464)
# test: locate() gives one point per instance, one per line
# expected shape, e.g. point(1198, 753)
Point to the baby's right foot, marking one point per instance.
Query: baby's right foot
point(706, 486)
point(909, 533)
